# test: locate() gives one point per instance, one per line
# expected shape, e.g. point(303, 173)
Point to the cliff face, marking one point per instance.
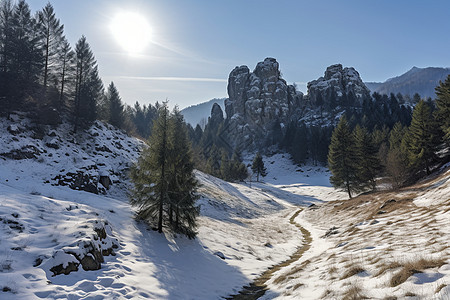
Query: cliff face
point(338, 87)
point(258, 101)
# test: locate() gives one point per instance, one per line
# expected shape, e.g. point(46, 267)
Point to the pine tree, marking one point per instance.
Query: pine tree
point(182, 187)
point(164, 182)
point(150, 176)
point(23, 58)
point(367, 161)
point(7, 74)
point(422, 138)
point(258, 166)
point(443, 107)
point(88, 86)
point(52, 36)
point(115, 113)
point(66, 69)
point(342, 158)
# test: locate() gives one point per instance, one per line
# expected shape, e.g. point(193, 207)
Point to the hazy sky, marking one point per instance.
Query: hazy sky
point(194, 44)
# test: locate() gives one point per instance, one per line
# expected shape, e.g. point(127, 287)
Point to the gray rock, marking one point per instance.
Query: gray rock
point(59, 269)
point(338, 85)
point(258, 101)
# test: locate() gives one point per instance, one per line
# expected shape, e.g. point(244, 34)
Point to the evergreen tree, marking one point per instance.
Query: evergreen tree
point(443, 107)
point(21, 57)
point(150, 176)
point(88, 86)
point(342, 158)
point(258, 166)
point(182, 187)
point(368, 164)
point(65, 70)
point(115, 113)
point(396, 157)
point(422, 138)
point(7, 74)
point(52, 37)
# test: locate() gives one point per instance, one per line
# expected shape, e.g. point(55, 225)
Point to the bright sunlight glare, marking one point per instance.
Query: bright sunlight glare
point(131, 31)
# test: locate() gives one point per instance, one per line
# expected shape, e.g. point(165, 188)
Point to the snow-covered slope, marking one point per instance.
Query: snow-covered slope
point(244, 229)
point(47, 228)
point(384, 245)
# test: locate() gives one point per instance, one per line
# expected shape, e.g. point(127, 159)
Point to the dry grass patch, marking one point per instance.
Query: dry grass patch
point(439, 288)
point(352, 271)
point(289, 275)
point(354, 292)
point(298, 285)
point(386, 267)
point(332, 270)
point(411, 268)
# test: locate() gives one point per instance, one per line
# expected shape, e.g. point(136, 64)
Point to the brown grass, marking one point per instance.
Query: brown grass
point(352, 271)
point(414, 267)
point(354, 292)
point(439, 288)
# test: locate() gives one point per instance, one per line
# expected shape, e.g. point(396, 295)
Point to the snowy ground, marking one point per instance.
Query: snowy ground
point(246, 224)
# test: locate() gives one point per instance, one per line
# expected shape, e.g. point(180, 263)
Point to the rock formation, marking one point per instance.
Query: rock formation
point(257, 101)
point(339, 86)
point(261, 103)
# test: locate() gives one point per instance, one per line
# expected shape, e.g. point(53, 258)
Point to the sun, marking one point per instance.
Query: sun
point(132, 31)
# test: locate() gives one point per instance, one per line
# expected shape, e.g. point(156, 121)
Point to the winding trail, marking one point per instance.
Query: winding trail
point(258, 287)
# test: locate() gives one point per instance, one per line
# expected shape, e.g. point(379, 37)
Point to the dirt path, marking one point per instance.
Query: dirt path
point(258, 287)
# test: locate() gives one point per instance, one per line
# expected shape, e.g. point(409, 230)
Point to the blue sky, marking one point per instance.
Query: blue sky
point(195, 44)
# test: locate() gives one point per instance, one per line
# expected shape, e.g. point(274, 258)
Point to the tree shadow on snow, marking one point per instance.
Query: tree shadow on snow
point(188, 270)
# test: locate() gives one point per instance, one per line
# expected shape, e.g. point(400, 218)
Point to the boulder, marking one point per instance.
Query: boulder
point(105, 181)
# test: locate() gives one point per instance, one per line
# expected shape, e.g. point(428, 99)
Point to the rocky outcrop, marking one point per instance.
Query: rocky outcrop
point(257, 101)
point(339, 87)
point(89, 252)
point(261, 103)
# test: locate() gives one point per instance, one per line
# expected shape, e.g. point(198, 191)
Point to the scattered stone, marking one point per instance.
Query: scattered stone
point(26, 152)
point(105, 181)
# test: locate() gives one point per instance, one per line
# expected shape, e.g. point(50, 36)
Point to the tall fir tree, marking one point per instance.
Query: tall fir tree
point(7, 73)
point(368, 165)
point(65, 70)
point(258, 166)
point(88, 85)
point(114, 106)
point(150, 176)
point(342, 157)
point(182, 184)
point(51, 32)
point(443, 107)
point(422, 138)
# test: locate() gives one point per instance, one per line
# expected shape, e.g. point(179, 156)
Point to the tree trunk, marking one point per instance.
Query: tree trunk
point(163, 176)
point(348, 190)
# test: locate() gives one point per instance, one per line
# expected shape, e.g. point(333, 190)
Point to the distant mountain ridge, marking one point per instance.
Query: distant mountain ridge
point(195, 113)
point(417, 80)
